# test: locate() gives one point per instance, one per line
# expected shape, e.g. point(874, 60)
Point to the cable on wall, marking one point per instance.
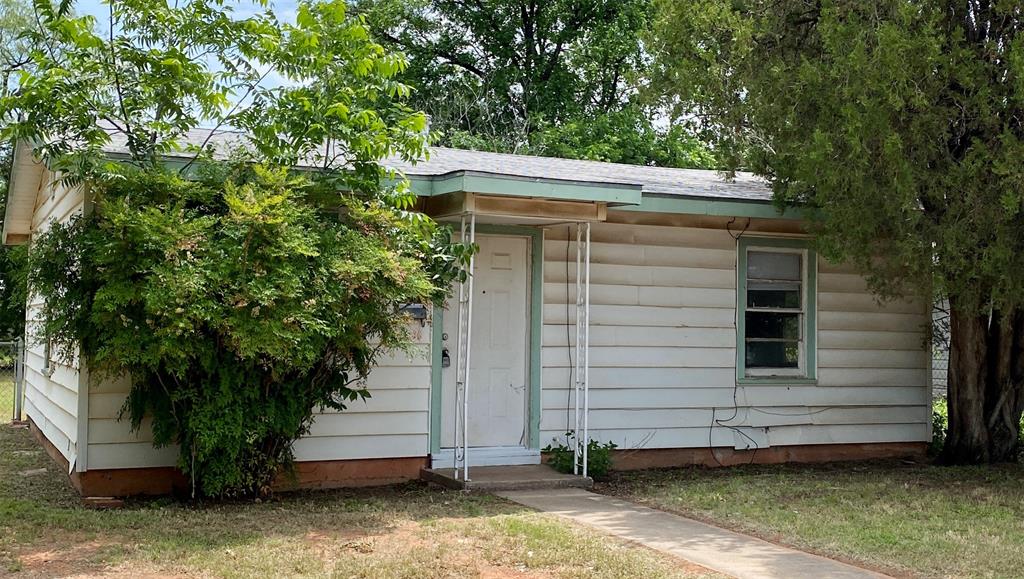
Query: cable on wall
point(735, 388)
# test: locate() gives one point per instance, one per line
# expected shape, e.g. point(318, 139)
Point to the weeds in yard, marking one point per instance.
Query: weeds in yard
point(914, 519)
point(599, 456)
point(400, 531)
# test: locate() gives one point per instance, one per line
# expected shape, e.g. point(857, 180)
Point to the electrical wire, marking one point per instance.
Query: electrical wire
point(735, 388)
point(728, 228)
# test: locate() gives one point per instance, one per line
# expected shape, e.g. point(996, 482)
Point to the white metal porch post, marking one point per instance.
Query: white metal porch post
point(578, 383)
point(586, 351)
point(581, 386)
point(462, 353)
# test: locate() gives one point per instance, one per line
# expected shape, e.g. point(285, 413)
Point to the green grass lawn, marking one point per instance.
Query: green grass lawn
point(908, 519)
point(405, 531)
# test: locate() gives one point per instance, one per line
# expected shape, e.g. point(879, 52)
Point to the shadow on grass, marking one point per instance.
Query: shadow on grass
point(41, 516)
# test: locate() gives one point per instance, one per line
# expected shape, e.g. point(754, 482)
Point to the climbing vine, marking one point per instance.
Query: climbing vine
point(236, 293)
point(238, 303)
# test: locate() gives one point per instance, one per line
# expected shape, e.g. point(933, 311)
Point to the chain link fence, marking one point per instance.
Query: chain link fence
point(940, 365)
point(12, 357)
point(940, 348)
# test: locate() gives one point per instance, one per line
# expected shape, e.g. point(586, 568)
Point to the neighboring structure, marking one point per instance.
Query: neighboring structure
point(716, 336)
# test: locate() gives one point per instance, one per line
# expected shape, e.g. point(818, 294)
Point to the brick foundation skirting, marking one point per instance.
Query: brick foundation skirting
point(326, 474)
point(322, 474)
point(670, 457)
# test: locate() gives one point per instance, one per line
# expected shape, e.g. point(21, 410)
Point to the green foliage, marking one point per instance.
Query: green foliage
point(599, 457)
point(341, 103)
point(147, 82)
point(13, 294)
point(550, 78)
point(168, 68)
point(236, 305)
point(893, 119)
point(940, 427)
point(624, 136)
point(15, 18)
point(516, 60)
point(897, 124)
point(940, 423)
point(238, 296)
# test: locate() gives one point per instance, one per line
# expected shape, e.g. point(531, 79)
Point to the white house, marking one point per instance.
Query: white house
point(715, 336)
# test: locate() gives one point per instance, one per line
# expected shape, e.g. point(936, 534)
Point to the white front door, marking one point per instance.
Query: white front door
point(498, 381)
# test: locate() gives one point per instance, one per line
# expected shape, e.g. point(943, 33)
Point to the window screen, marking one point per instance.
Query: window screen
point(774, 310)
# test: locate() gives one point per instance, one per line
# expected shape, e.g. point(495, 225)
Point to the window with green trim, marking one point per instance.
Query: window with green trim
point(776, 309)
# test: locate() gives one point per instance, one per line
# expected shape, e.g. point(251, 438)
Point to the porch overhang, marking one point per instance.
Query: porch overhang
point(512, 210)
point(503, 185)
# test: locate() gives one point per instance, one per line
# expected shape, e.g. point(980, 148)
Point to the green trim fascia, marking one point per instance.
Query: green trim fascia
point(436, 346)
point(514, 186)
point(810, 315)
point(715, 207)
point(422, 187)
point(536, 237)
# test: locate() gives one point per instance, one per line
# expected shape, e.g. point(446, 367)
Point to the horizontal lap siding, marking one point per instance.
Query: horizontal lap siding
point(112, 444)
point(52, 401)
point(867, 346)
point(393, 422)
point(663, 350)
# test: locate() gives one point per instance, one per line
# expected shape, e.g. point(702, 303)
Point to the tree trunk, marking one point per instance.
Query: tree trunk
point(985, 378)
point(1003, 399)
point(967, 439)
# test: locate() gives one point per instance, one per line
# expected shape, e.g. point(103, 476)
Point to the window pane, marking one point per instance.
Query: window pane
point(773, 298)
point(766, 265)
point(775, 325)
point(773, 354)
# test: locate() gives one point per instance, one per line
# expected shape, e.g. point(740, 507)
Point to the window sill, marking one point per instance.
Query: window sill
point(777, 380)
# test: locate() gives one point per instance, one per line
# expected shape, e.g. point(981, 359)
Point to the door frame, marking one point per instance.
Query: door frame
point(535, 297)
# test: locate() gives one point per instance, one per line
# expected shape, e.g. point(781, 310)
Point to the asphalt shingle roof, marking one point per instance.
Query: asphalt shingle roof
point(654, 181)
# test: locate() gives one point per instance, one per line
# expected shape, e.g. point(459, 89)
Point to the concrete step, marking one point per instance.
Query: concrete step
point(506, 478)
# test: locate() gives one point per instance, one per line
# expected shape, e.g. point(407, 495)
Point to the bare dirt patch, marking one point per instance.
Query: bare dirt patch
point(63, 558)
point(406, 531)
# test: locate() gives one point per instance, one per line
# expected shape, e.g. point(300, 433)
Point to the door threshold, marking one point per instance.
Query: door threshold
point(488, 456)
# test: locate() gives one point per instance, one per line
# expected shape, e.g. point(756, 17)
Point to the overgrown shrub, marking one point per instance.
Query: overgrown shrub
point(240, 299)
point(599, 457)
point(238, 304)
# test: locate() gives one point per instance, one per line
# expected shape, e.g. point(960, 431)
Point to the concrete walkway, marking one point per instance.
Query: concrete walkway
point(717, 549)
